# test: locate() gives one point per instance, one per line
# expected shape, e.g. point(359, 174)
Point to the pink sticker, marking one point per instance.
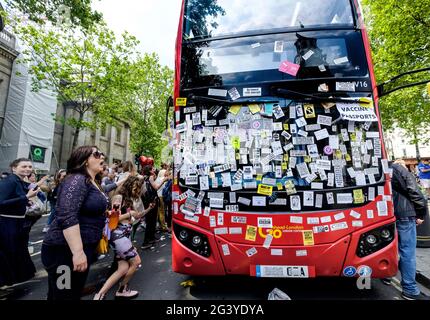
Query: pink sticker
point(328, 150)
point(289, 67)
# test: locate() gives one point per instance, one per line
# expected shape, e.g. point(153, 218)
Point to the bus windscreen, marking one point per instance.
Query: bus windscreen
point(212, 18)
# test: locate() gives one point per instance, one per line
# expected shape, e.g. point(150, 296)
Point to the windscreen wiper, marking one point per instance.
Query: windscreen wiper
point(290, 93)
point(214, 100)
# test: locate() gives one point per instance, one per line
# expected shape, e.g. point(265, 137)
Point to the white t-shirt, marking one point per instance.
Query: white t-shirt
point(158, 180)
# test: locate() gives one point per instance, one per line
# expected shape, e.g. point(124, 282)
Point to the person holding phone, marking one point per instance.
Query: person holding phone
point(71, 241)
point(15, 195)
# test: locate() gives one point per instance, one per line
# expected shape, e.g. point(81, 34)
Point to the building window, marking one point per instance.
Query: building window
point(118, 134)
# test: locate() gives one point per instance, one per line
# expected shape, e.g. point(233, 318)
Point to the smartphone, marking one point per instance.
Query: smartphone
point(35, 188)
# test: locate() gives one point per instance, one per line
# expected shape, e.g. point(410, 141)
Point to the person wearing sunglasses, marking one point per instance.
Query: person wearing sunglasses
point(69, 247)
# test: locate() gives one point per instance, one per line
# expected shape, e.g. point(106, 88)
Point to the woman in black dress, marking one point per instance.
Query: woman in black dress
point(15, 261)
point(69, 247)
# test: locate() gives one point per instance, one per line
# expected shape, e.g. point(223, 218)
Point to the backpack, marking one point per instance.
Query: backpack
point(167, 192)
point(149, 194)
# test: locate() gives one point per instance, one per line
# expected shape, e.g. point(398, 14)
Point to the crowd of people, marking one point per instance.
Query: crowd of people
point(89, 203)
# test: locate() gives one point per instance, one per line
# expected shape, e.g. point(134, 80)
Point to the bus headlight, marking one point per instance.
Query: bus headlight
point(193, 240)
point(375, 240)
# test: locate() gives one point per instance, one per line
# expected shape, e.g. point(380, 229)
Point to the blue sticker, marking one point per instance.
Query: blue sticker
point(349, 271)
point(364, 271)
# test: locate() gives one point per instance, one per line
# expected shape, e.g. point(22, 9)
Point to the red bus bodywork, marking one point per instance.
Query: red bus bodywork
point(330, 253)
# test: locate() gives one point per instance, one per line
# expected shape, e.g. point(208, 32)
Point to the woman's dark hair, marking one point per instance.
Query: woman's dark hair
point(131, 189)
point(78, 160)
point(146, 170)
point(15, 163)
point(57, 176)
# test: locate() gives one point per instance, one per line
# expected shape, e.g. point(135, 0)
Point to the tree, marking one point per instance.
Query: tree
point(153, 86)
point(56, 11)
point(400, 39)
point(88, 70)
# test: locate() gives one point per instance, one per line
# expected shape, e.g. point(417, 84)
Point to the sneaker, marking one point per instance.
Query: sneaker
point(386, 281)
point(99, 296)
point(126, 293)
point(45, 229)
point(420, 296)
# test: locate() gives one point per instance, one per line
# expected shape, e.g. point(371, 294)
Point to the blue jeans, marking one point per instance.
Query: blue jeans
point(407, 231)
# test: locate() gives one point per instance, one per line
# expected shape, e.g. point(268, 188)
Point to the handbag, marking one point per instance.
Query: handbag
point(36, 209)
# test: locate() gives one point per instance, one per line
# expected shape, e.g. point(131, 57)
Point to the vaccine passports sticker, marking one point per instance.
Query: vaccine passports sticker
point(181, 102)
point(308, 237)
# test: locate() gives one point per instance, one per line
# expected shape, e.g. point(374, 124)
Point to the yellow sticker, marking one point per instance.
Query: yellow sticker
point(181, 102)
point(308, 237)
point(309, 110)
point(338, 154)
point(237, 156)
point(265, 190)
point(235, 142)
point(284, 165)
point(175, 181)
point(358, 196)
point(286, 126)
point(308, 159)
point(280, 187)
point(254, 108)
point(347, 157)
point(365, 102)
point(286, 158)
point(259, 177)
point(235, 109)
point(353, 136)
point(251, 233)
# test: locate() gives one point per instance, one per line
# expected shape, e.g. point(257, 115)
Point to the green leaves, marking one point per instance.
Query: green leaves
point(400, 38)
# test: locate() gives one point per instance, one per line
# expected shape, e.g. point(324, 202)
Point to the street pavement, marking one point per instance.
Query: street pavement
point(156, 281)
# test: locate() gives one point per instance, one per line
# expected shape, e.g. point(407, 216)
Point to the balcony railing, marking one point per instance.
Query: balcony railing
point(8, 39)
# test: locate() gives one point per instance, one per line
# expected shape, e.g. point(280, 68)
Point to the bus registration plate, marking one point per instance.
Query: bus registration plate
point(282, 271)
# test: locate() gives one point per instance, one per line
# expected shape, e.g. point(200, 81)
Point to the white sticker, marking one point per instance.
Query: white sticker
point(323, 164)
point(324, 120)
point(276, 252)
point(382, 208)
point(236, 219)
point(313, 220)
point(308, 55)
point(308, 198)
point(357, 223)
point(341, 60)
point(330, 198)
point(370, 214)
point(292, 112)
point(343, 198)
point(321, 134)
point(225, 249)
point(326, 219)
point(268, 241)
point(339, 216)
point(330, 179)
point(279, 47)
point(220, 219)
point(355, 214)
point(265, 222)
point(301, 122)
point(303, 169)
point(255, 45)
point(193, 218)
point(320, 229)
point(251, 252)
point(295, 203)
point(317, 185)
point(318, 200)
point(235, 230)
point(244, 201)
point(216, 203)
point(217, 92)
point(279, 202)
point(301, 253)
point(296, 220)
point(251, 92)
point(345, 86)
point(371, 194)
point(338, 226)
point(220, 231)
point(234, 94)
point(207, 211)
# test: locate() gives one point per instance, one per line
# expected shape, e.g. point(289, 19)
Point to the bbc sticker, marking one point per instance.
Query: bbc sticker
point(265, 222)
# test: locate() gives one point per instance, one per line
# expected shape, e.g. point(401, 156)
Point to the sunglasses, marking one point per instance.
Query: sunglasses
point(97, 154)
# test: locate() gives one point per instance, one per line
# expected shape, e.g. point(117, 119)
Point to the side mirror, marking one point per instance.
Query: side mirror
point(382, 91)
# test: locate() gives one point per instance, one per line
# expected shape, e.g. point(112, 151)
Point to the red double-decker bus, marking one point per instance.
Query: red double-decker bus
point(280, 166)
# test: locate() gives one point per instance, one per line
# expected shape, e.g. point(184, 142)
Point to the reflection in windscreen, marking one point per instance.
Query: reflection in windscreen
point(211, 18)
point(245, 57)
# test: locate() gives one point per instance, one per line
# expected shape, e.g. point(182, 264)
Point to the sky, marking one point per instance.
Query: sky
point(153, 22)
